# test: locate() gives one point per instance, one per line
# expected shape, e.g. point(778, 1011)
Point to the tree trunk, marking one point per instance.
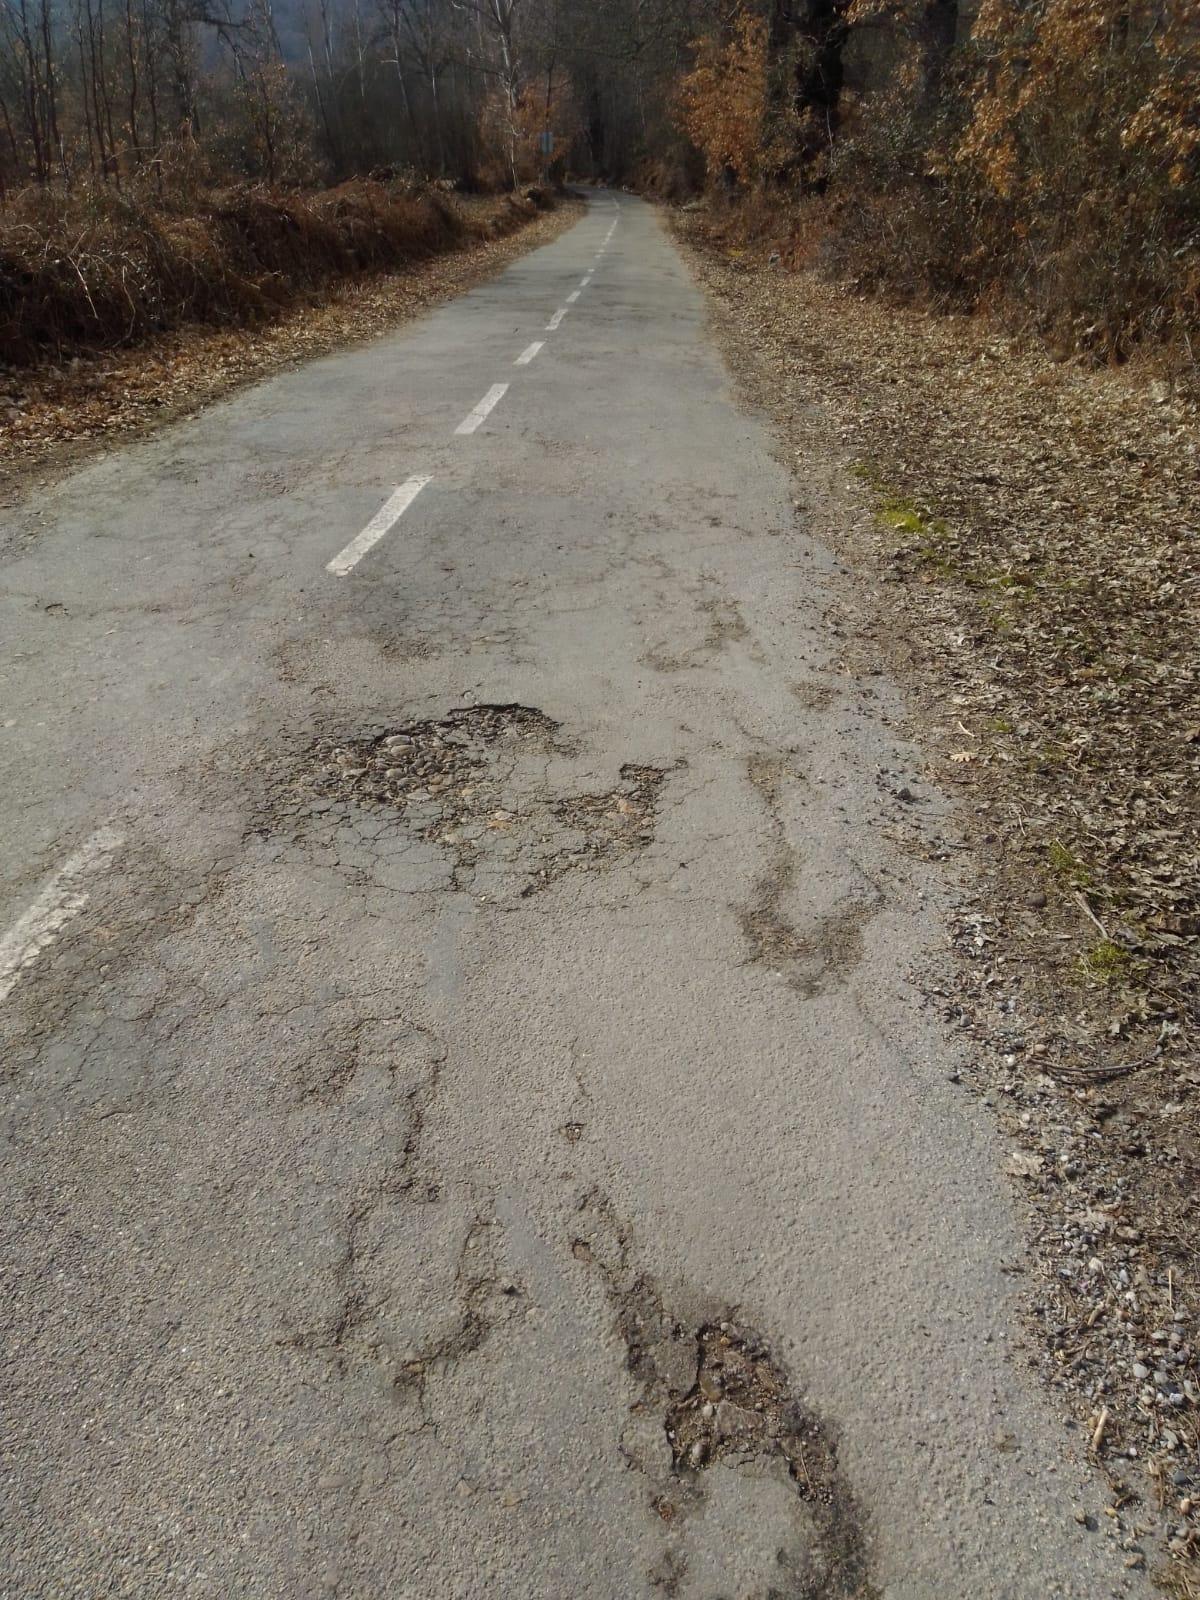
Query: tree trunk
point(806, 42)
point(53, 137)
point(938, 34)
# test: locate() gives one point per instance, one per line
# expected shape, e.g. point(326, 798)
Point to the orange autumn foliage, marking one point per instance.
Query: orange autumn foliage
point(722, 101)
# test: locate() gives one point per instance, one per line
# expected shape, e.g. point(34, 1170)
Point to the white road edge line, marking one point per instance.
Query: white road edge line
point(527, 356)
point(485, 407)
point(573, 296)
point(383, 520)
point(556, 320)
point(58, 903)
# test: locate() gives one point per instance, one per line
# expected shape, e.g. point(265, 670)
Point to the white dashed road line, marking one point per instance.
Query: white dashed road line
point(61, 900)
point(484, 409)
point(386, 518)
point(379, 524)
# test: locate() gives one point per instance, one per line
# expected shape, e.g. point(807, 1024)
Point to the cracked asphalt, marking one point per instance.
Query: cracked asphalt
point(469, 1124)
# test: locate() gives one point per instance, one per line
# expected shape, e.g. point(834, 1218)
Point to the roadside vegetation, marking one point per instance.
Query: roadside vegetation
point(171, 162)
point(97, 269)
point(1040, 162)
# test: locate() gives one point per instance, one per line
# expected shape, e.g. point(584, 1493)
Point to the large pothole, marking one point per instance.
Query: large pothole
point(483, 783)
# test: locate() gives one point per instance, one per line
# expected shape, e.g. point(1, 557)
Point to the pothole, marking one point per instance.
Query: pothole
point(741, 1403)
point(741, 1413)
point(620, 820)
point(456, 763)
point(477, 783)
point(727, 1407)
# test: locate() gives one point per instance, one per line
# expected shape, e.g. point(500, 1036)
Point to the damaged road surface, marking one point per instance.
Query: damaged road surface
point(470, 1125)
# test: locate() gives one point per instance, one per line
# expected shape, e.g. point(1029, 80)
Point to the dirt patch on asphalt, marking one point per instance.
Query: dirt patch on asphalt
point(813, 961)
point(1023, 537)
point(822, 956)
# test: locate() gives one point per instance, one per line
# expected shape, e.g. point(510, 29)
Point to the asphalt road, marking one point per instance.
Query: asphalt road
point(511, 1159)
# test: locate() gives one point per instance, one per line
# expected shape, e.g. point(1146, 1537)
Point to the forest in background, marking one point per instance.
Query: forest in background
point(1042, 155)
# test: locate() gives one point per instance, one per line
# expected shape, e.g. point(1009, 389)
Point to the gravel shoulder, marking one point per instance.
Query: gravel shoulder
point(1022, 539)
point(54, 418)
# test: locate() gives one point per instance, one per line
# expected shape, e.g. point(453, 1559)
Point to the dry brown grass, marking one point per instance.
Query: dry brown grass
point(1101, 295)
point(93, 269)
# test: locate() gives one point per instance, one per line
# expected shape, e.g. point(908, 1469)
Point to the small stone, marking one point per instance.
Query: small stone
point(698, 1454)
point(1139, 1371)
point(1080, 1516)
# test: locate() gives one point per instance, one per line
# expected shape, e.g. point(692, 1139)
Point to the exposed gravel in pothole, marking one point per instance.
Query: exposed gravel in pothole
point(723, 1401)
point(458, 762)
point(476, 783)
point(742, 1407)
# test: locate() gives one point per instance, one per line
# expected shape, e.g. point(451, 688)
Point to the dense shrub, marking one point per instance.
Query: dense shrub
point(1045, 156)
